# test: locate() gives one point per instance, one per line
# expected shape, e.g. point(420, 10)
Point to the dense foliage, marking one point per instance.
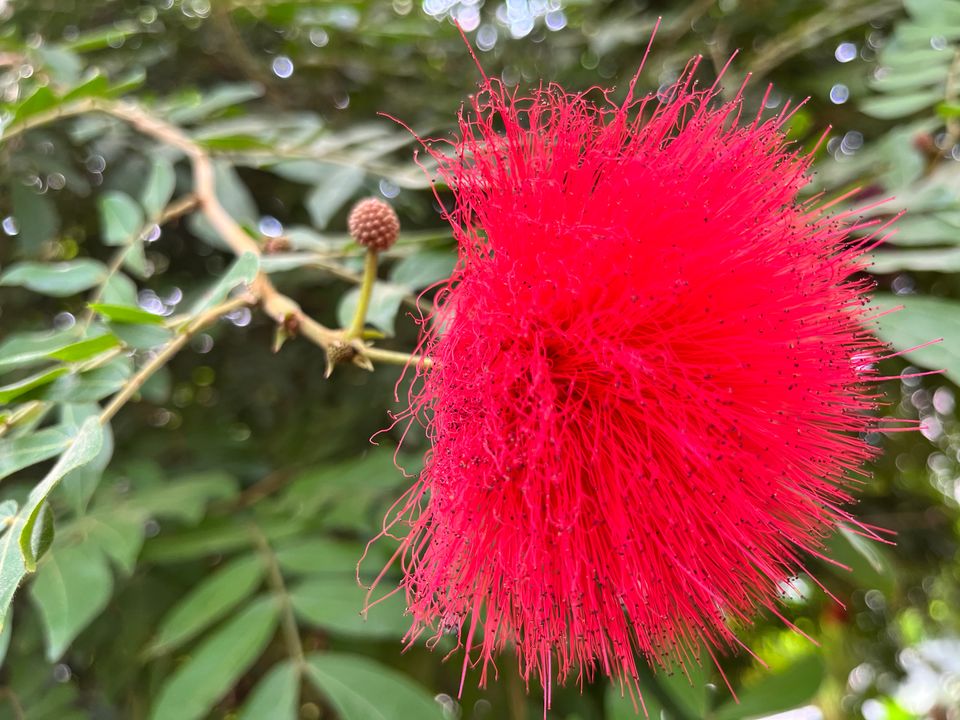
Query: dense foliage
point(186, 496)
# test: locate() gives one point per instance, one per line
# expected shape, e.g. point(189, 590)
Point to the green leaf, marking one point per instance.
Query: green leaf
point(339, 185)
point(683, 689)
point(776, 692)
point(212, 538)
point(233, 142)
point(118, 536)
point(161, 182)
point(62, 64)
point(869, 568)
point(217, 663)
point(5, 635)
point(423, 269)
point(12, 568)
point(127, 314)
point(385, 302)
point(119, 290)
point(42, 533)
point(275, 696)
point(20, 452)
point(72, 587)
point(103, 37)
point(56, 279)
point(141, 337)
point(341, 494)
point(84, 447)
point(933, 13)
point(948, 110)
point(8, 509)
point(206, 603)
point(198, 107)
point(31, 348)
point(911, 77)
point(96, 84)
point(321, 556)
point(186, 497)
point(888, 107)
point(335, 604)
point(946, 260)
point(242, 272)
point(92, 385)
point(41, 99)
point(37, 218)
point(10, 392)
point(362, 689)
point(78, 485)
point(121, 218)
point(85, 349)
point(921, 320)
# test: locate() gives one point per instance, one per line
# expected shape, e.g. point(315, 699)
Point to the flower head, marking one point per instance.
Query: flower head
point(648, 394)
point(374, 224)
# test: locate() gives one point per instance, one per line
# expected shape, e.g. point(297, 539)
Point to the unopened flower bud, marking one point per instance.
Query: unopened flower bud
point(374, 224)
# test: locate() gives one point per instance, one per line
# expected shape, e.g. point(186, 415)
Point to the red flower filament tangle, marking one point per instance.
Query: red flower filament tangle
point(650, 386)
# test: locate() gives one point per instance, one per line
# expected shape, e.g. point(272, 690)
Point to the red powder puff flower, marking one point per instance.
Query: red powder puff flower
point(647, 400)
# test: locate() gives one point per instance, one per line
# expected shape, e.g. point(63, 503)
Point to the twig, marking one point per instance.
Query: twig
point(288, 622)
point(281, 309)
point(393, 357)
point(684, 22)
point(169, 350)
point(178, 208)
point(263, 488)
point(835, 19)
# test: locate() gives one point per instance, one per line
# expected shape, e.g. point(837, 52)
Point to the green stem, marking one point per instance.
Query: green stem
point(392, 357)
point(366, 291)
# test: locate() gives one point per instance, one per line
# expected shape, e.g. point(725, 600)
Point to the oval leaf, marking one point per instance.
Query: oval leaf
point(121, 218)
point(209, 601)
point(20, 452)
point(217, 663)
point(275, 696)
point(921, 320)
point(84, 447)
point(126, 314)
point(72, 587)
point(776, 692)
point(56, 279)
point(242, 272)
point(361, 689)
point(335, 604)
point(159, 187)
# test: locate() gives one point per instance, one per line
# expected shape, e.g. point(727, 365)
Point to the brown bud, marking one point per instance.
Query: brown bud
point(291, 324)
point(374, 224)
point(924, 142)
point(276, 245)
